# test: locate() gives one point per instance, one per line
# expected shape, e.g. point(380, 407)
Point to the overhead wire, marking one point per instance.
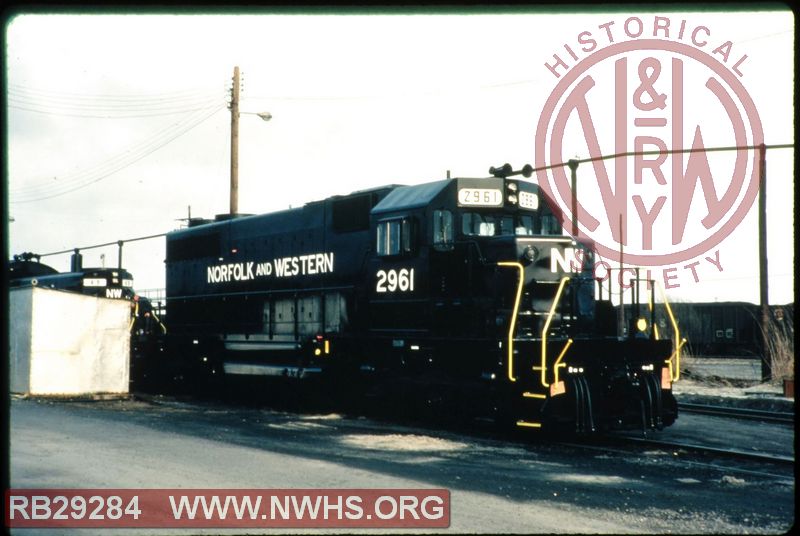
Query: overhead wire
point(436, 93)
point(84, 178)
point(132, 97)
point(107, 106)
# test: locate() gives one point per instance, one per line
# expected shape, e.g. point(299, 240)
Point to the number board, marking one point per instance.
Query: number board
point(480, 197)
point(528, 200)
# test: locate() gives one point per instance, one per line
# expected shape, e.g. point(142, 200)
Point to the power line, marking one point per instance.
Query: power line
point(107, 244)
point(658, 152)
point(96, 107)
point(70, 181)
point(446, 92)
point(92, 101)
point(108, 115)
point(39, 192)
point(118, 97)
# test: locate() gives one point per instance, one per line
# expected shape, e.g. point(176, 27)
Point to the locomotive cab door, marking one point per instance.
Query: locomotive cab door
point(449, 271)
point(395, 276)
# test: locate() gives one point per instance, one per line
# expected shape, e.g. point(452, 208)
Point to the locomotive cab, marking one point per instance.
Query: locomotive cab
point(473, 279)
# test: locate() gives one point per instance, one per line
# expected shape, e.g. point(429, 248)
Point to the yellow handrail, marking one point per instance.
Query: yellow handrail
point(163, 327)
point(678, 341)
point(558, 362)
point(650, 306)
point(514, 313)
point(133, 316)
point(563, 282)
point(672, 376)
point(152, 313)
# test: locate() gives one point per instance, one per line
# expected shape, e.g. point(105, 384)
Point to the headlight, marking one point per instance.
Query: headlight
point(529, 254)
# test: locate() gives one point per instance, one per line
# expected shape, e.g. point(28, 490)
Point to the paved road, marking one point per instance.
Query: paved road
point(496, 485)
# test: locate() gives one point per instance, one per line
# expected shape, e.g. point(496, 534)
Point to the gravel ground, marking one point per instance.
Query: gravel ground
point(507, 486)
point(716, 390)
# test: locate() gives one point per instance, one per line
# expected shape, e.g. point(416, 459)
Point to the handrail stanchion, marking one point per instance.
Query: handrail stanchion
point(558, 362)
point(513, 324)
point(561, 285)
point(678, 341)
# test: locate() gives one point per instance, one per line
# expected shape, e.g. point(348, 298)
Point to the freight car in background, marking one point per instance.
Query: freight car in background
point(723, 329)
point(461, 289)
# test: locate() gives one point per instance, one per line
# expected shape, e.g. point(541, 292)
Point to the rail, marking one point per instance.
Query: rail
point(776, 459)
point(622, 443)
point(779, 417)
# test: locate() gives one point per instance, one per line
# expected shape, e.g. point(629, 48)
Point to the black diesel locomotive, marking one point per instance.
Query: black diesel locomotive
point(26, 270)
point(464, 286)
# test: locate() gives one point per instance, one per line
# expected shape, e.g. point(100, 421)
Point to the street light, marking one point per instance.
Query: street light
point(265, 116)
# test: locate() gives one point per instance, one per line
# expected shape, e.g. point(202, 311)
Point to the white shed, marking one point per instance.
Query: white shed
point(64, 343)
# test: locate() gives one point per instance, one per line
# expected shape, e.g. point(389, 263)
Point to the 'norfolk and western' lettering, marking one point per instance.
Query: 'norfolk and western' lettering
point(312, 264)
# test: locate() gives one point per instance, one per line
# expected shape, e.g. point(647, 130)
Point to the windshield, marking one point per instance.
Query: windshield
point(477, 224)
point(483, 224)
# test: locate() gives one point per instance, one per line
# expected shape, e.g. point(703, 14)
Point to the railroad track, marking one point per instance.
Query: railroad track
point(779, 417)
point(725, 460)
point(738, 454)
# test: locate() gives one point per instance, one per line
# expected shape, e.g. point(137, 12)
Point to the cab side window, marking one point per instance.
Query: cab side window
point(394, 237)
point(442, 229)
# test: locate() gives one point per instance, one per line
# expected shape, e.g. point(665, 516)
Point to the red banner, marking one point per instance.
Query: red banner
point(228, 508)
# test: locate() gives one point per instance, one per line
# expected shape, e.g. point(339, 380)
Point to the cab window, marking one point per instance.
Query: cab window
point(473, 223)
point(477, 224)
point(524, 226)
point(394, 237)
point(550, 225)
point(442, 229)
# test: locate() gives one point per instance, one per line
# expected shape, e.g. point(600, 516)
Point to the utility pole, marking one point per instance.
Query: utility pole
point(621, 325)
point(762, 263)
point(235, 143)
point(573, 168)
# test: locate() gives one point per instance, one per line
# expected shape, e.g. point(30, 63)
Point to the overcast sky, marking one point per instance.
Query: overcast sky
point(117, 124)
